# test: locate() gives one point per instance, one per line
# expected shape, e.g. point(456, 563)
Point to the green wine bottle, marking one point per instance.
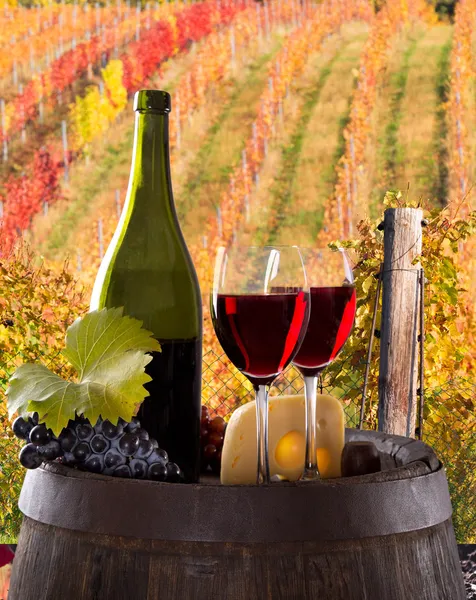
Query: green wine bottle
point(148, 270)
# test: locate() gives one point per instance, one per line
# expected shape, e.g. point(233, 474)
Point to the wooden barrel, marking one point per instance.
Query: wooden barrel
point(384, 536)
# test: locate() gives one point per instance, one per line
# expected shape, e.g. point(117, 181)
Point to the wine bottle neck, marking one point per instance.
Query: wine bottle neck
point(150, 173)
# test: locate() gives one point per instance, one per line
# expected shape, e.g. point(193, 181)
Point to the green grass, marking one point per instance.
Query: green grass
point(440, 184)
point(392, 150)
point(221, 149)
point(420, 124)
point(304, 176)
point(391, 153)
point(282, 189)
point(88, 189)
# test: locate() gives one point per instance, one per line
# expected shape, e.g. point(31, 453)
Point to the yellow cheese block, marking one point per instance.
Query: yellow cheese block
point(286, 439)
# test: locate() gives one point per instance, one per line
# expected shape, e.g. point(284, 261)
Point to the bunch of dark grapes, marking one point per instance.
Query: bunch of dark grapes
point(122, 450)
point(212, 436)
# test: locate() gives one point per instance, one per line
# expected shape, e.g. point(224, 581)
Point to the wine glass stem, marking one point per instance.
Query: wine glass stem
point(262, 433)
point(310, 389)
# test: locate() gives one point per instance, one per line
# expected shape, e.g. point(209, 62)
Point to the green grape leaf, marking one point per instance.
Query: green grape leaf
point(108, 351)
point(54, 397)
point(101, 336)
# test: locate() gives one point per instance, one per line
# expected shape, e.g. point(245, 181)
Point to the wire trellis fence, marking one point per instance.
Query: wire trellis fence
point(448, 429)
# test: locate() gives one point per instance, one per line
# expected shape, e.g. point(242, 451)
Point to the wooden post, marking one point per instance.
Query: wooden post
point(4, 130)
point(100, 239)
point(137, 22)
point(118, 204)
point(399, 329)
point(177, 122)
point(15, 73)
point(232, 45)
point(247, 208)
point(219, 222)
point(64, 137)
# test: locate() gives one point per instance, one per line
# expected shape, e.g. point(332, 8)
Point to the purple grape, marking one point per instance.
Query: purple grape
point(33, 419)
point(157, 472)
point(69, 459)
point(67, 438)
point(158, 456)
point(128, 444)
point(142, 434)
point(39, 435)
point(133, 426)
point(144, 450)
point(174, 474)
point(94, 464)
point(110, 431)
point(51, 450)
point(113, 459)
point(99, 444)
point(139, 468)
point(82, 451)
point(122, 471)
point(155, 443)
point(29, 457)
point(22, 428)
point(84, 431)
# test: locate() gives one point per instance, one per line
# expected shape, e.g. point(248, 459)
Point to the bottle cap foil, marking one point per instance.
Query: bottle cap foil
point(153, 100)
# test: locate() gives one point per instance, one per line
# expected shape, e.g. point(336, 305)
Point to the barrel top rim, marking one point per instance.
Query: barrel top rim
point(412, 471)
point(412, 496)
point(413, 453)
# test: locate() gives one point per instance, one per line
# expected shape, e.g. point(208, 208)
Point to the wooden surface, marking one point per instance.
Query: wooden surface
point(57, 563)
point(399, 324)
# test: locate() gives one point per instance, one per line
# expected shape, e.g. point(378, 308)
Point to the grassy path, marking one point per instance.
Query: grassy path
point(220, 150)
point(421, 164)
point(304, 171)
point(388, 153)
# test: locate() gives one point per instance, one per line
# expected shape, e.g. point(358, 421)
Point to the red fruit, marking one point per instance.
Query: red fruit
point(210, 451)
point(205, 414)
point(216, 439)
point(203, 433)
point(217, 424)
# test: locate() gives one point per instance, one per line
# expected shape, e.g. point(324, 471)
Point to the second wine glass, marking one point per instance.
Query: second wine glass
point(333, 305)
point(260, 311)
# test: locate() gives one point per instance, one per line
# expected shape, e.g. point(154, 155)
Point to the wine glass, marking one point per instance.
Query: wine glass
point(333, 305)
point(260, 311)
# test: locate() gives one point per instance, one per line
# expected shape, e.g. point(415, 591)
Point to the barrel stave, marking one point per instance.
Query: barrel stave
point(421, 564)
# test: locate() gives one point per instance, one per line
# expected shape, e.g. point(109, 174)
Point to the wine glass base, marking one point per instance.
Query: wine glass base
point(310, 475)
point(263, 480)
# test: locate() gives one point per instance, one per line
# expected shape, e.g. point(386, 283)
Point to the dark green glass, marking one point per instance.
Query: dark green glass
point(148, 270)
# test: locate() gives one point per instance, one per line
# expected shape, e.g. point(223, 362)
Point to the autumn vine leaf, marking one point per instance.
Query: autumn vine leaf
point(108, 351)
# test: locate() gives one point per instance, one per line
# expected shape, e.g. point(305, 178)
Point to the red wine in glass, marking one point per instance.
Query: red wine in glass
point(260, 311)
point(260, 332)
point(333, 305)
point(330, 324)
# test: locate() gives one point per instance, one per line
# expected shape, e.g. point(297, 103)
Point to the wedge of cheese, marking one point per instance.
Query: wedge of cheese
point(286, 439)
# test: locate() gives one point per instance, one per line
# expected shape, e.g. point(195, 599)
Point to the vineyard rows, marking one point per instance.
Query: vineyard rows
point(222, 33)
point(93, 113)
